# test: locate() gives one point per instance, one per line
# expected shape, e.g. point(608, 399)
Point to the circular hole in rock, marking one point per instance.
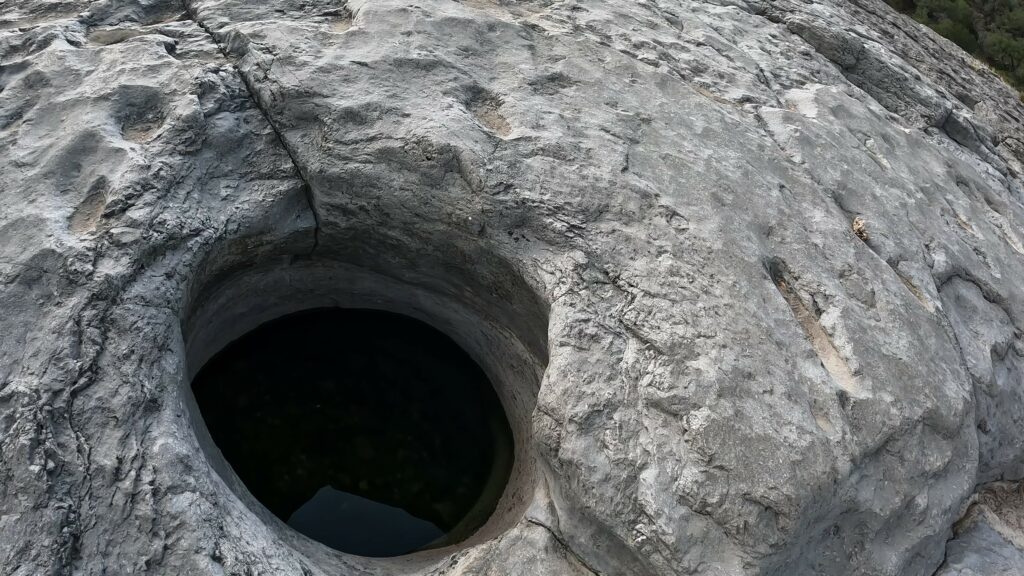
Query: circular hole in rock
point(368, 431)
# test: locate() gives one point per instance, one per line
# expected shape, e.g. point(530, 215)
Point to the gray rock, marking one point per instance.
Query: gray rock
point(637, 216)
point(990, 538)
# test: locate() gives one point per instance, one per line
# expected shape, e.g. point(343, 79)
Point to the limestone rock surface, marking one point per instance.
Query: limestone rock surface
point(990, 537)
point(749, 273)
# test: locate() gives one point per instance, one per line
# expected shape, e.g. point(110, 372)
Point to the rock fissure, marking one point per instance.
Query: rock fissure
point(565, 546)
point(251, 89)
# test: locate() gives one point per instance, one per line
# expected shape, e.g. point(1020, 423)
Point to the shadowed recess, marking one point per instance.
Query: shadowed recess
point(368, 431)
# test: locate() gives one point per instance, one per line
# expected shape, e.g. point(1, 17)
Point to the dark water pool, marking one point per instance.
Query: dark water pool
point(368, 431)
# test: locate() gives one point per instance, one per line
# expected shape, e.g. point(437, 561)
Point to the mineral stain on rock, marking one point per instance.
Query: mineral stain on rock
point(368, 431)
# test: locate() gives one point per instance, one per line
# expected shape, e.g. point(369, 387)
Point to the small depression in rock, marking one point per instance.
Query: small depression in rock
point(368, 431)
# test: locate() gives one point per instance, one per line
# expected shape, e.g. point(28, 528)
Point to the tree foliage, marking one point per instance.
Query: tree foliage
point(992, 30)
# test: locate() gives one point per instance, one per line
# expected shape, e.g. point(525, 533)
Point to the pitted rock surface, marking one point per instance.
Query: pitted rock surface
point(777, 244)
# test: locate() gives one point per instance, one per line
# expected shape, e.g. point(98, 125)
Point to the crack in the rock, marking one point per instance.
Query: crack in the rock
point(254, 96)
point(565, 545)
point(945, 554)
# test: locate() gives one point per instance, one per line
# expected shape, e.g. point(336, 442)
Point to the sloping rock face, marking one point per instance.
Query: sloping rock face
point(747, 274)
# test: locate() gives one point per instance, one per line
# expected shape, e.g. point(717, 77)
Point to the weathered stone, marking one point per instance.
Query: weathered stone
point(990, 537)
point(637, 216)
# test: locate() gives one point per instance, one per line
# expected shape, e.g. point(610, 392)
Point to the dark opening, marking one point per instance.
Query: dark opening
point(368, 431)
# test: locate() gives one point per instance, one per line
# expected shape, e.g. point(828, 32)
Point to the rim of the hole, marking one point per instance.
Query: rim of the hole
point(223, 306)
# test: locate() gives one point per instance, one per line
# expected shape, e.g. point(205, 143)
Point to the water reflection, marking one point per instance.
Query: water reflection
point(354, 524)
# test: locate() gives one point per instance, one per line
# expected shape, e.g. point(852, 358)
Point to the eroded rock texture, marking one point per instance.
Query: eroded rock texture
point(657, 199)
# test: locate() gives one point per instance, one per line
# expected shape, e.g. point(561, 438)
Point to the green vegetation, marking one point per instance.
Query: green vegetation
point(992, 30)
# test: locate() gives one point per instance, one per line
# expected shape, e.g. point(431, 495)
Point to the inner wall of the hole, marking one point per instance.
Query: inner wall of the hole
point(242, 302)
